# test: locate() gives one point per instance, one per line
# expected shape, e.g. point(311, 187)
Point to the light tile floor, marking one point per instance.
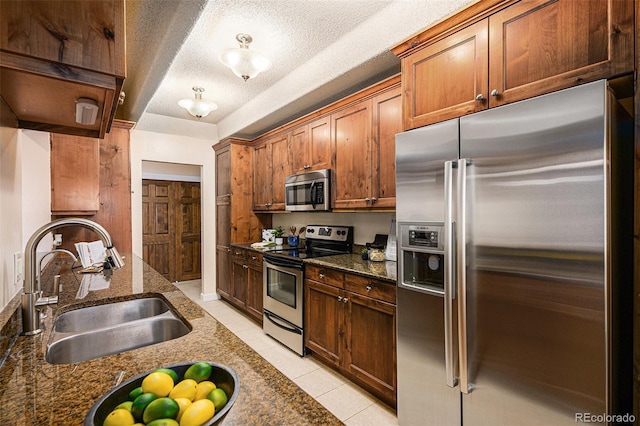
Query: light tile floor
point(347, 401)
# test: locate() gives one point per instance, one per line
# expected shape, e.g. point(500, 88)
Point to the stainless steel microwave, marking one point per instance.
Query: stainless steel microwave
point(308, 192)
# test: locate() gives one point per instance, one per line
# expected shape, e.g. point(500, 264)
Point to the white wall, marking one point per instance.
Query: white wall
point(150, 146)
point(25, 198)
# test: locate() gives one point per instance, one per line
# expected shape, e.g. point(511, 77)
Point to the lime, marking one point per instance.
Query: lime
point(218, 397)
point(184, 389)
point(199, 371)
point(119, 417)
point(198, 413)
point(135, 393)
point(204, 388)
point(183, 403)
point(163, 422)
point(158, 383)
point(161, 408)
point(140, 403)
point(126, 405)
point(169, 371)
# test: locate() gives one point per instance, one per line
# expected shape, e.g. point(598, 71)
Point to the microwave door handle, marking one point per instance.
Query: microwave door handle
point(312, 193)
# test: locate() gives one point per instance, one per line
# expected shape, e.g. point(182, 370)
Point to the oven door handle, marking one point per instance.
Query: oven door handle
point(282, 263)
point(274, 318)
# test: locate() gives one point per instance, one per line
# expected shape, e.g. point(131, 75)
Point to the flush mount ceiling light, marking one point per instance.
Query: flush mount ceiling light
point(243, 62)
point(198, 107)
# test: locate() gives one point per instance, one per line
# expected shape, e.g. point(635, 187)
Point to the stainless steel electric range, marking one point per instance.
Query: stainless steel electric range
point(283, 291)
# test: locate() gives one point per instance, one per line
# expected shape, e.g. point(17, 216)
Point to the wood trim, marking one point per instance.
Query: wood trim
point(228, 141)
point(636, 221)
point(449, 25)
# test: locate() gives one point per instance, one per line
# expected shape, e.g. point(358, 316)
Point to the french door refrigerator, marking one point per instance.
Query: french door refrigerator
point(514, 230)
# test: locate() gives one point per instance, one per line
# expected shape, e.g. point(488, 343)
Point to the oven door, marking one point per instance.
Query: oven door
point(282, 290)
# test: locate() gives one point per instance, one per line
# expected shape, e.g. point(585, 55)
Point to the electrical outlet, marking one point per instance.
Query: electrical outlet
point(18, 268)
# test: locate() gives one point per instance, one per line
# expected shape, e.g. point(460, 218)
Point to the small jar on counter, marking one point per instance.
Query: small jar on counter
point(376, 252)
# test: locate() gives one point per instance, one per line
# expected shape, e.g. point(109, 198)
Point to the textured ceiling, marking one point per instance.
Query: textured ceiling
point(321, 50)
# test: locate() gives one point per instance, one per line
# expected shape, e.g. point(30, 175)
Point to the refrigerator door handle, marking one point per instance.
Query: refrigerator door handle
point(461, 276)
point(449, 281)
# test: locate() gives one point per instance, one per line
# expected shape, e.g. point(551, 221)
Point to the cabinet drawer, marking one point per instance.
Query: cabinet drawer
point(325, 275)
point(372, 288)
point(238, 253)
point(254, 257)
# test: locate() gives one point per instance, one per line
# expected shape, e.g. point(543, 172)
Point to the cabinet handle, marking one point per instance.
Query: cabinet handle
point(254, 257)
point(368, 288)
point(245, 266)
point(373, 200)
point(495, 93)
point(321, 276)
point(345, 300)
point(480, 97)
point(367, 199)
point(339, 298)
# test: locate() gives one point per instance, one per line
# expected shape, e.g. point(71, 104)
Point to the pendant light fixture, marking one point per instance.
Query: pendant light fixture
point(243, 62)
point(198, 107)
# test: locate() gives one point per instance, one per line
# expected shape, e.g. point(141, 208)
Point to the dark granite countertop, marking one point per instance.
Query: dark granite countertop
point(352, 263)
point(34, 392)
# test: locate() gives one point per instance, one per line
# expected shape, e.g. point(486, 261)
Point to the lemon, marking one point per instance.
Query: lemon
point(183, 403)
point(218, 397)
point(198, 413)
point(161, 408)
point(199, 371)
point(184, 389)
point(170, 372)
point(204, 388)
point(119, 417)
point(157, 383)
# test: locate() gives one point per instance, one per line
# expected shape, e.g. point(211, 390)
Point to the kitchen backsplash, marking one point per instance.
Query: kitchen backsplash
point(365, 225)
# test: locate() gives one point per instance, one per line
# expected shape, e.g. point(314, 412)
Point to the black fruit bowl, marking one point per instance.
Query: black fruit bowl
point(223, 377)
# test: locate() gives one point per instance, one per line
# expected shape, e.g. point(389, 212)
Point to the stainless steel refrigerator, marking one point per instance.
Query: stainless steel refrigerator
point(515, 273)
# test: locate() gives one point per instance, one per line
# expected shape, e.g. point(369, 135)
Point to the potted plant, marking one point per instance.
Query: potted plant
point(278, 233)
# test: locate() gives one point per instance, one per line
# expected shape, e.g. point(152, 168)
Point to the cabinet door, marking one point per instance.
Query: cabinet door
point(351, 133)
point(254, 291)
point(261, 177)
point(223, 172)
point(239, 283)
point(75, 175)
point(324, 320)
point(223, 272)
point(539, 46)
point(298, 147)
point(371, 342)
point(448, 78)
point(387, 121)
point(319, 144)
point(280, 169)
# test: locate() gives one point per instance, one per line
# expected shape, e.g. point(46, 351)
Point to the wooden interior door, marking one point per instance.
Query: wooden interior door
point(188, 265)
point(171, 240)
point(158, 229)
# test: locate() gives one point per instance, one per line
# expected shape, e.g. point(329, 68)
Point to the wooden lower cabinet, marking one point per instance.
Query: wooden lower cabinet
point(223, 271)
point(351, 326)
point(245, 289)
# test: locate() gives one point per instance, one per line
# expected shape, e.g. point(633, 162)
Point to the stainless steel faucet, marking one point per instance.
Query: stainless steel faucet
point(50, 300)
point(30, 317)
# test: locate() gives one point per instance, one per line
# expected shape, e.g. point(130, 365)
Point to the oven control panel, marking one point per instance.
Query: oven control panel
point(330, 233)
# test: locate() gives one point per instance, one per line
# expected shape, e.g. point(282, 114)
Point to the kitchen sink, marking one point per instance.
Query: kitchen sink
point(97, 331)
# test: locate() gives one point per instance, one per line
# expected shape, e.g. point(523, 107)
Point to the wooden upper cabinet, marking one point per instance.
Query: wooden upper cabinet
point(351, 133)
point(54, 52)
point(75, 175)
point(387, 122)
point(271, 165)
point(311, 146)
point(543, 45)
point(448, 78)
point(497, 52)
